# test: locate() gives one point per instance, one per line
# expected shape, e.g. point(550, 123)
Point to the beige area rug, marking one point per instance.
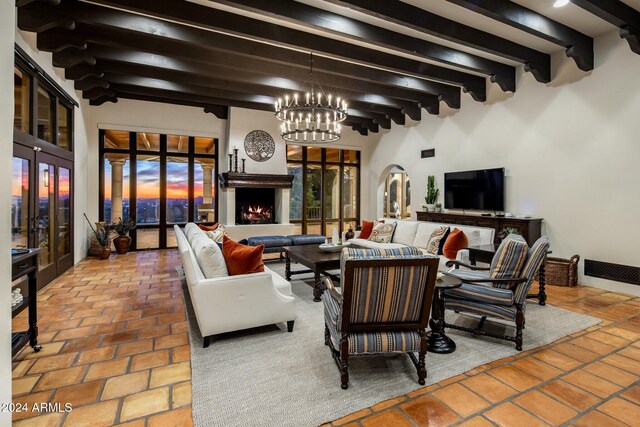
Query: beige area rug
point(267, 376)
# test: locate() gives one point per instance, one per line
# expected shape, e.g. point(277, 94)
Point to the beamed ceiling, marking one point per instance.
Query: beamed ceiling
point(390, 59)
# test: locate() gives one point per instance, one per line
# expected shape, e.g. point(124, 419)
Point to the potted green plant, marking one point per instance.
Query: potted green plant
point(438, 207)
point(123, 241)
point(432, 193)
point(506, 231)
point(101, 236)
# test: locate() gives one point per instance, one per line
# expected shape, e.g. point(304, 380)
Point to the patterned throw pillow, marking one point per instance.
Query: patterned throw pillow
point(433, 244)
point(382, 232)
point(509, 258)
point(218, 234)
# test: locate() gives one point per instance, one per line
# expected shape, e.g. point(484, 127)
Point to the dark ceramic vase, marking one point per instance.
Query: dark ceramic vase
point(105, 253)
point(349, 234)
point(122, 243)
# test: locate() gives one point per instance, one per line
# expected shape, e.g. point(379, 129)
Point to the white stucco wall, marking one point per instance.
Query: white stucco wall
point(570, 151)
point(7, 24)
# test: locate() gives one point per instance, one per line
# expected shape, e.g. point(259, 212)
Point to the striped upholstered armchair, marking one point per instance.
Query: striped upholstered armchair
point(499, 291)
point(383, 307)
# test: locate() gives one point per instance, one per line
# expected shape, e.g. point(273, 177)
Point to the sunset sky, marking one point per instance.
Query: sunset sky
point(149, 180)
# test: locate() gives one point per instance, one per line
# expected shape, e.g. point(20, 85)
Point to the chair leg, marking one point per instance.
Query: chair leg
point(344, 364)
point(422, 367)
point(327, 335)
point(519, 326)
point(290, 325)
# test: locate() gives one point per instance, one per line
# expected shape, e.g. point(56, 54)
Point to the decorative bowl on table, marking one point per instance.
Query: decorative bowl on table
point(333, 247)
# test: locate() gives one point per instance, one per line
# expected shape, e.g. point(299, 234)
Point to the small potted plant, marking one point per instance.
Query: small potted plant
point(123, 241)
point(438, 207)
point(506, 231)
point(432, 193)
point(101, 236)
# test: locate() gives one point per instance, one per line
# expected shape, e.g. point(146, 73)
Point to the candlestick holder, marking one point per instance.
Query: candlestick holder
point(243, 160)
point(230, 162)
point(235, 160)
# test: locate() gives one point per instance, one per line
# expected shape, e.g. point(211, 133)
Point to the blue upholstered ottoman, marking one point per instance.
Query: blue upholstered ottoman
point(307, 239)
point(272, 244)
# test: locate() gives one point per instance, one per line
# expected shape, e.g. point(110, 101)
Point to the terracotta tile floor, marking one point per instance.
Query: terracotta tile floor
point(115, 346)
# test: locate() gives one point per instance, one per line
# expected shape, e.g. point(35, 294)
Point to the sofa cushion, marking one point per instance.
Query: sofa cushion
point(382, 232)
point(443, 240)
point(405, 232)
point(423, 233)
point(307, 239)
point(367, 228)
point(455, 241)
point(434, 240)
point(370, 244)
point(191, 230)
point(509, 258)
point(474, 238)
point(269, 241)
point(242, 259)
point(209, 257)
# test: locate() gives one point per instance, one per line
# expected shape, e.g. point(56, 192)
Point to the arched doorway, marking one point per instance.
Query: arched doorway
point(397, 194)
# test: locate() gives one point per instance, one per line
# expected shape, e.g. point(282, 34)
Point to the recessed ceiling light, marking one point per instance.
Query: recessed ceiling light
point(560, 3)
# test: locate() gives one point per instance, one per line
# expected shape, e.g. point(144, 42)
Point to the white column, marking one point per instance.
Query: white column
point(207, 181)
point(116, 188)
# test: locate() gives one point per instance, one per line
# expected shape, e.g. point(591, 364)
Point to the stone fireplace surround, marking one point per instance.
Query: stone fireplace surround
point(230, 182)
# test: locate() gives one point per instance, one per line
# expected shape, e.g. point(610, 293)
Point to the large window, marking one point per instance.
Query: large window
point(159, 180)
point(326, 189)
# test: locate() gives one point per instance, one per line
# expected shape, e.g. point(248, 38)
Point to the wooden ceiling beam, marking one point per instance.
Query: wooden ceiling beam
point(117, 43)
point(619, 14)
point(578, 46)
point(538, 63)
point(316, 18)
point(193, 15)
point(281, 76)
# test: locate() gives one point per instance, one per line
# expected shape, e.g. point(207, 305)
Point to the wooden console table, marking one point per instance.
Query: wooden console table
point(26, 265)
point(529, 228)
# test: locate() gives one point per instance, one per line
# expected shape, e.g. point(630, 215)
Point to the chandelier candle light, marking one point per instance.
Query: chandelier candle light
point(313, 117)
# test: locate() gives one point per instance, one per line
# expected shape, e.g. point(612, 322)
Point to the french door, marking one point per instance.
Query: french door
point(42, 209)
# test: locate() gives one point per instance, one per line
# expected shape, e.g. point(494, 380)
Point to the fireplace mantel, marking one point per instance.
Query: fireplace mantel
point(254, 180)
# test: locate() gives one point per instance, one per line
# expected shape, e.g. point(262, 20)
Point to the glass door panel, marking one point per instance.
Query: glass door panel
point(148, 202)
point(177, 190)
point(45, 214)
point(64, 211)
point(20, 203)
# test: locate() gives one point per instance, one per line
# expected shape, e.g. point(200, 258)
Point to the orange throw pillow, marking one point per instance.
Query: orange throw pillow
point(208, 227)
point(367, 228)
point(457, 240)
point(242, 259)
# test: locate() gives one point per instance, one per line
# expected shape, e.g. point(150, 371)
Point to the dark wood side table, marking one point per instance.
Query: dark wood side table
point(485, 253)
point(437, 341)
point(26, 264)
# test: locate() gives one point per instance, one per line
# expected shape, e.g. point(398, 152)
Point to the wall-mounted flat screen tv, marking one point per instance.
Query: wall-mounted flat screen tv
point(481, 189)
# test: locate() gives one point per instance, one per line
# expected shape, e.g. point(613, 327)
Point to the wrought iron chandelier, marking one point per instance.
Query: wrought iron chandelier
point(310, 115)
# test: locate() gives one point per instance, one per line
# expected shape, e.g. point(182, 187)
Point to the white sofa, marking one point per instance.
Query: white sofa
point(417, 233)
point(230, 303)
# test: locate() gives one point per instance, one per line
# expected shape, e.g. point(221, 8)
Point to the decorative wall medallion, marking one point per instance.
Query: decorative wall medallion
point(259, 145)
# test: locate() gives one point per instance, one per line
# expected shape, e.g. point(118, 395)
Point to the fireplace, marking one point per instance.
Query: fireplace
point(255, 206)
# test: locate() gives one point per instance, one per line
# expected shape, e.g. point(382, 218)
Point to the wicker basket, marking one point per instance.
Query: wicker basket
point(561, 271)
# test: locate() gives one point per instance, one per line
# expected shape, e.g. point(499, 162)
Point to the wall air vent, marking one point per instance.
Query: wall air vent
point(610, 271)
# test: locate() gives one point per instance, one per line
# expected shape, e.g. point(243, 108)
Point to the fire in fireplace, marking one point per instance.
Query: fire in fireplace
point(255, 206)
point(256, 214)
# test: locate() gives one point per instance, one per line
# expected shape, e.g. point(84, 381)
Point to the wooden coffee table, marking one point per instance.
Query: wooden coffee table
point(317, 262)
